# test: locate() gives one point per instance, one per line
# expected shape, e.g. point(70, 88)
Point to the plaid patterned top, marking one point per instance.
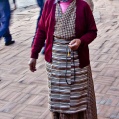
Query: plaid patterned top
point(64, 20)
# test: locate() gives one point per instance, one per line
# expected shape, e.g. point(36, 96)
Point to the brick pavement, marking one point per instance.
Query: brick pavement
point(24, 95)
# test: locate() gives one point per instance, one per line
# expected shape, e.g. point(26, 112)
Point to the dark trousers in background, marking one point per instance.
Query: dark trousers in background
point(4, 20)
point(40, 4)
point(14, 1)
point(7, 36)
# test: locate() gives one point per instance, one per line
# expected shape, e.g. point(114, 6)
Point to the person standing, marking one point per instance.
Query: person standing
point(5, 21)
point(68, 27)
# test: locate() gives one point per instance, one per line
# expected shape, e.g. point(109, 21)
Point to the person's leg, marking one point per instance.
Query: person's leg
point(55, 115)
point(14, 1)
point(40, 3)
point(4, 16)
point(79, 115)
point(4, 23)
point(8, 38)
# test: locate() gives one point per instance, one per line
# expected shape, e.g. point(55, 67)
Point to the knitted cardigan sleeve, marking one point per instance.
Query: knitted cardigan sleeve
point(40, 35)
point(91, 33)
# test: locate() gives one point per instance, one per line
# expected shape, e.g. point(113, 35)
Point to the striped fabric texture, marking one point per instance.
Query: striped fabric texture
point(71, 90)
point(63, 97)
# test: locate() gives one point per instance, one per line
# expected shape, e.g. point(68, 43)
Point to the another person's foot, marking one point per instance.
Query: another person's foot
point(15, 7)
point(9, 43)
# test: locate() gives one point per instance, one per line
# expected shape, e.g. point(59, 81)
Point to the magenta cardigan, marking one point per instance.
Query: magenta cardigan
point(85, 29)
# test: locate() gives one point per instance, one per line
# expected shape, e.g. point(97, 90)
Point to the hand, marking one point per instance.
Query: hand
point(32, 64)
point(74, 44)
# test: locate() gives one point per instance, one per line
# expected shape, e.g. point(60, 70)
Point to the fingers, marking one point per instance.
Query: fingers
point(74, 44)
point(32, 65)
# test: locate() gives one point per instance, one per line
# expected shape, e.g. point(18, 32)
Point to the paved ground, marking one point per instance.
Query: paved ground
point(23, 3)
point(23, 95)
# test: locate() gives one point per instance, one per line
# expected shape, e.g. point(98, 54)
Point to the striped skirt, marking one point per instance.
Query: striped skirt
point(71, 90)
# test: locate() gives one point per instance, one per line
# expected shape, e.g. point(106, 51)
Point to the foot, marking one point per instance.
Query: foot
point(15, 7)
point(9, 43)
